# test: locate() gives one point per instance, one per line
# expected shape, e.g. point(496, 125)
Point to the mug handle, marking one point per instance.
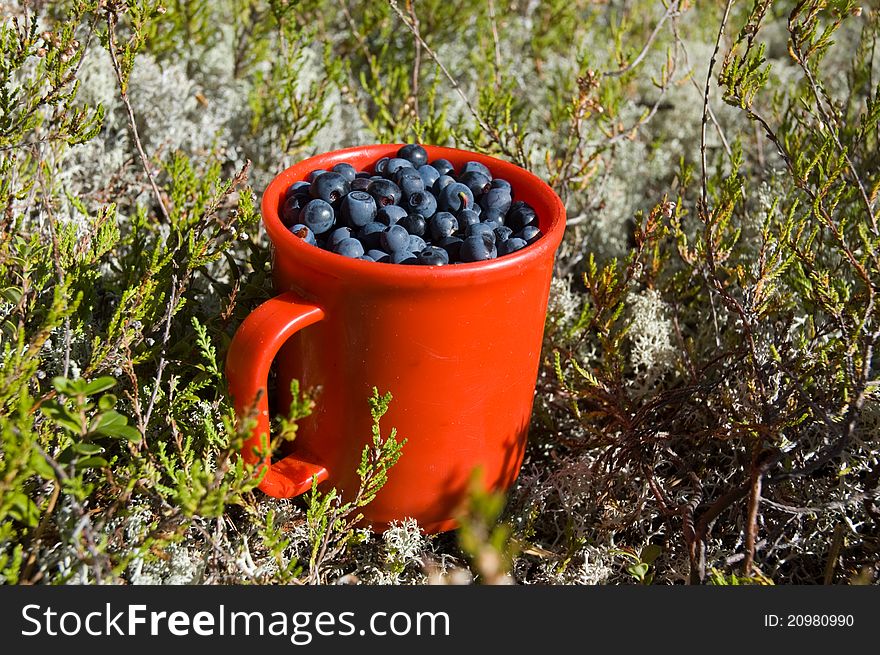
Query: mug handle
point(251, 352)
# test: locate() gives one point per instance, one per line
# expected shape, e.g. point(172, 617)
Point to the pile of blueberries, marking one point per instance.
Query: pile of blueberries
point(410, 212)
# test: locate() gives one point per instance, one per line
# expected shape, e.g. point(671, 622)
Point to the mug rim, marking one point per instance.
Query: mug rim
point(331, 262)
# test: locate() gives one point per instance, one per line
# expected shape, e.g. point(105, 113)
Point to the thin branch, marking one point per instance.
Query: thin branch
point(724, 142)
point(704, 194)
point(84, 525)
point(176, 292)
point(495, 41)
point(56, 256)
point(132, 123)
point(671, 11)
point(417, 62)
point(759, 468)
point(456, 87)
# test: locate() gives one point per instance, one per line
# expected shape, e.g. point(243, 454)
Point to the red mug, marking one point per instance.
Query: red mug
point(457, 346)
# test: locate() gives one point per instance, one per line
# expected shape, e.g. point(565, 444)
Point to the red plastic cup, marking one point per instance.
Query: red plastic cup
point(458, 347)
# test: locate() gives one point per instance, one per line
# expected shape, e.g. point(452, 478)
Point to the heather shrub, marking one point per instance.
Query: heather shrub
point(707, 406)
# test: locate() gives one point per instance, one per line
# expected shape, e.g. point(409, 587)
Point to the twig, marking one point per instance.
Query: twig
point(84, 526)
point(443, 69)
point(169, 314)
point(704, 194)
point(132, 123)
point(38, 533)
point(671, 11)
point(724, 142)
point(495, 41)
point(833, 554)
point(759, 468)
point(417, 63)
point(831, 506)
point(56, 256)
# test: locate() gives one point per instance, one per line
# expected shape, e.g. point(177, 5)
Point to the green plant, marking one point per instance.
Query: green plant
point(486, 540)
point(639, 566)
point(331, 519)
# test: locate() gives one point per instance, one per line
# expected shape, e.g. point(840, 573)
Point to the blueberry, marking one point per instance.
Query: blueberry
point(454, 197)
point(357, 209)
point(476, 182)
point(385, 192)
point(304, 233)
point(378, 255)
point(442, 224)
point(403, 172)
point(467, 217)
point(451, 245)
point(318, 216)
point(432, 256)
point(478, 248)
point(442, 182)
point(443, 166)
point(529, 234)
point(403, 257)
point(363, 174)
point(390, 214)
point(291, 208)
point(429, 175)
point(410, 184)
point(360, 184)
point(395, 164)
point(499, 183)
point(414, 154)
point(502, 233)
point(519, 215)
point(349, 248)
point(370, 235)
point(414, 224)
point(479, 229)
point(511, 245)
point(346, 170)
point(475, 166)
point(379, 168)
point(493, 215)
point(329, 187)
point(496, 199)
point(394, 238)
point(301, 187)
point(422, 202)
point(338, 235)
point(315, 174)
point(367, 258)
point(416, 244)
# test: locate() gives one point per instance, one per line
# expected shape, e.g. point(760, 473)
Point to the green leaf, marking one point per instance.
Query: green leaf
point(87, 448)
point(11, 295)
point(650, 553)
point(62, 416)
point(92, 462)
point(113, 424)
point(23, 509)
point(41, 466)
point(98, 385)
point(61, 384)
point(638, 570)
point(107, 402)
